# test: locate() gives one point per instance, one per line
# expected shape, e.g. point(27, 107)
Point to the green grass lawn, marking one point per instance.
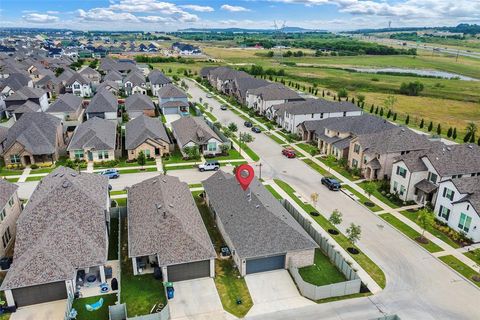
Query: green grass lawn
point(339, 168)
point(409, 232)
point(42, 170)
point(273, 192)
point(113, 240)
point(391, 202)
point(312, 150)
point(12, 180)
point(37, 178)
point(461, 268)
point(275, 138)
point(363, 199)
point(182, 167)
point(322, 272)
point(474, 255)
point(230, 285)
point(127, 171)
point(247, 150)
point(195, 185)
point(232, 155)
point(10, 172)
point(317, 167)
point(437, 233)
point(100, 314)
point(142, 292)
point(118, 192)
point(175, 157)
point(362, 259)
point(122, 202)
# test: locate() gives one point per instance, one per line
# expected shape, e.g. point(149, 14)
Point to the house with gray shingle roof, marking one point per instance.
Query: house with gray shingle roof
point(172, 100)
point(62, 239)
point(115, 76)
point(91, 74)
point(10, 209)
point(156, 80)
point(103, 105)
point(135, 82)
point(51, 84)
point(148, 135)
point(240, 86)
point(195, 132)
point(260, 232)
point(68, 107)
point(262, 98)
point(14, 82)
point(79, 85)
point(138, 104)
point(165, 229)
point(374, 153)
point(20, 97)
point(94, 140)
point(37, 137)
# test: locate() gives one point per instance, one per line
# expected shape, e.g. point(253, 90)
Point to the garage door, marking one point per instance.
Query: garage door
point(187, 271)
point(265, 264)
point(40, 294)
point(173, 110)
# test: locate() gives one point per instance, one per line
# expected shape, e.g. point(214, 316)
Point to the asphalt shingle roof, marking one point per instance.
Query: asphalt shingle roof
point(362, 124)
point(136, 78)
point(138, 102)
point(66, 103)
point(113, 75)
point(96, 133)
point(79, 78)
point(193, 129)
point(15, 81)
point(163, 219)
point(7, 189)
point(103, 101)
point(61, 229)
point(471, 187)
point(396, 140)
point(455, 159)
point(311, 105)
point(275, 91)
point(170, 91)
point(157, 77)
point(259, 227)
point(142, 128)
point(26, 93)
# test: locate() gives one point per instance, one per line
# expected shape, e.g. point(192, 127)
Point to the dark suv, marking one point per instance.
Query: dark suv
point(331, 183)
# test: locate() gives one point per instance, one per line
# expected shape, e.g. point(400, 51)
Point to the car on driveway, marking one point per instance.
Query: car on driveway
point(248, 124)
point(209, 166)
point(331, 183)
point(223, 107)
point(256, 129)
point(289, 153)
point(111, 173)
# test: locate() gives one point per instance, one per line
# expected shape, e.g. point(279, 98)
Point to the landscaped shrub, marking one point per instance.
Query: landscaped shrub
point(34, 166)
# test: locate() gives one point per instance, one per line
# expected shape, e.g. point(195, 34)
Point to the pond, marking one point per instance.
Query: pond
point(418, 72)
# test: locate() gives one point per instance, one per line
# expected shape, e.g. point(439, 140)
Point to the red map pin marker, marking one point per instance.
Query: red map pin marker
point(244, 175)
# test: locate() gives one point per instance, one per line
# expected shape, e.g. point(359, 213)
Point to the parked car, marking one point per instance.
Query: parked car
point(256, 129)
point(209, 166)
point(209, 95)
point(248, 124)
point(223, 107)
point(331, 183)
point(111, 173)
point(289, 153)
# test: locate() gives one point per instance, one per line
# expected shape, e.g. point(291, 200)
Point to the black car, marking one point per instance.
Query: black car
point(331, 183)
point(256, 129)
point(248, 124)
point(223, 107)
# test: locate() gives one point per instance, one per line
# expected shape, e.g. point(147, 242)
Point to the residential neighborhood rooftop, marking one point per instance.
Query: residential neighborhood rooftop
point(143, 128)
point(95, 133)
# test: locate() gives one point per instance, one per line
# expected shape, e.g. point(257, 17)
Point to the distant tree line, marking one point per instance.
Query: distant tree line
point(157, 59)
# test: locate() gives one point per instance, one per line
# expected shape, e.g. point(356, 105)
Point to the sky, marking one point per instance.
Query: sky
point(164, 15)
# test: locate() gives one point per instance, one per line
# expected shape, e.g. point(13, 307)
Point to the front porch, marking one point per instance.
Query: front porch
point(424, 191)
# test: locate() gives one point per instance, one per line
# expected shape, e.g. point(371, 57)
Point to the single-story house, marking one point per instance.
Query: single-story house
point(103, 105)
point(171, 93)
point(62, 239)
point(94, 140)
point(166, 231)
point(148, 135)
point(260, 232)
point(138, 104)
point(10, 208)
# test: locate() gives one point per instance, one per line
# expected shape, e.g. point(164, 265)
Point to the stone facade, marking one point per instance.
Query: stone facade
point(12, 209)
point(150, 145)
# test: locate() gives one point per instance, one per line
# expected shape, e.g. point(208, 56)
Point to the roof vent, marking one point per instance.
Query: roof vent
point(170, 205)
point(257, 206)
point(449, 149)
point(55, 174)
point(65, 184)
point(154, 181)
point(164, 180)
point(470, 146)
point(73, 174)
point(61, 175)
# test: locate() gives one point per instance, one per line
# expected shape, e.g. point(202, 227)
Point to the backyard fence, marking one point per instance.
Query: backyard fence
point(118, 212)
point(68, 306)
point(222, 136)
point(162, 315)
point(117, 312)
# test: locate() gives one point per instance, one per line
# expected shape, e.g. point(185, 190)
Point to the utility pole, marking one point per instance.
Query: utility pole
point(240, 142)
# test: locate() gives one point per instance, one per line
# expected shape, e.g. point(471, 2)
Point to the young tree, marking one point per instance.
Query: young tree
point(192, 153)
point(390, 101)
point(472, 128)
point(360, 98)
point(232, 127)
point(389, 114)
point(407, 120)
point(449, 132)
point(439, 129)
point(381, 112)
point(376, 110)
point(314, 198)
point(371, 109)
point(422, 123)
point(141, 159)
point(467, 137)
point(430, 126)
point(425, 219)
point(342, 93)
point(246, 137)
point(224, 148)
point(395, 116)
point(454, 134)
point(370, 189)
point(336, 217)
point(353, 233)
point(217, 125)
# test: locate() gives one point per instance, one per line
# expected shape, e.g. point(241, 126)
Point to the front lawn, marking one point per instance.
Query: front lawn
point(140, 293)
point(100, 314)
point(122, 202)
point(128, 171)
point(363, 199)
point(317, 167)
point(275, 138)
point(335, 165)
point(174, 157)
point(42, 170)
point(273, 192)
point(232, 155)
point(474, 255)
point(113, 240)
point(195, 185)
point(409, 232)
point(245, 148)
point(322, 272)
point(392, 202)
point(461, 268)
point(118, 192)
point(311, 150)
point(37, 178)
point(10, 172)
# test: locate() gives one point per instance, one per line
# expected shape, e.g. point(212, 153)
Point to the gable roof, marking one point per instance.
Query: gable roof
point(89, 72)
point(66, 103)
point(61, 229)
point(193, 129)
point(470, 186)
point(28, 106)
point(455, 159)
point(163, 219)
point(157, 77)
point(311, 105)
point(77, 77)
point(135, 77)
point(95, 133)
point(36, 132)
point(26, 93)
point(138, 102)
point(275, 91)
point(259, 226)
point(396, 140)
point(103, 101)
point(171, 91)
point(142, 128)
point(7, 189)
point(66, 74)
point(243, 84)
point(113, 75)
point(47, 79)
point(15, 81)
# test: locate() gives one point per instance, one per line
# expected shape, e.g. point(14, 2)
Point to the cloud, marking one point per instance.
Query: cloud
point(198, 8)
point(53, 12)
point(40, 18)
point(155, 19)
point(102, 14)
point(230, 8)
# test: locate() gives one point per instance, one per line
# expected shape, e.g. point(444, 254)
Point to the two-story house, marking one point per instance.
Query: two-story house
point(261, 99)
point(135, 82)
point(79, 86)
point(156, 80)
point(68, 108)
point(26, 95)
point(10, 208)
point(172, 100)
point(103, 105)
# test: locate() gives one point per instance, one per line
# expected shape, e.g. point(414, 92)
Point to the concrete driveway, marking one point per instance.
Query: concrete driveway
point(45, 311)
point(274, 291)
point(196, 299)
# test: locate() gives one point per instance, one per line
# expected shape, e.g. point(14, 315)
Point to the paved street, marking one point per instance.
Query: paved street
point(418, 285)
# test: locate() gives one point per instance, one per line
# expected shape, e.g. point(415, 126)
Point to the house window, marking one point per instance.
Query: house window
point(432, 177)
point(356, 148)
point(102, 154)
point(402, 190)
point(444, 212)
point(447, 193)
point(464, 223)
point(321, 115)
point(401, 171)
point(395, 186)
point(365, 160)
point(147, 153)
point(11, 201)
point(312, 115)
point(6, 237)
point(3, 214)
point(344, 114)
point(212, 146)
point(15, 158)
point(78, 154)
point(76, 86)
point(354, 163)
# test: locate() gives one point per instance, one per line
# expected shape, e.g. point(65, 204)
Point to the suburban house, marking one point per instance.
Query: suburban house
point(36, 138)
point(138, 104)
point(241, 85)
point(94, 140)
point(68, 108)
point(115, 76)
point(93, 75)
point(17, 111)
point(221, 78)
point(103, 105)
point(66, 75)
point(135, 82)
point(290, 114)
point(26, 94)
point(166, 231)
point(416, 176)
point(10, 208)
point(374, 153)
point(195, 132)
point(14, 82)
point(458, 205)
point(111, 86)
point(186, 49)
point(261, 99)
point(51, 85)
point(260, 232)
point(62, 239)
point(156, 80)
point(79, 86)
point(333, 135)
point(172, 100)
point(148, 135)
